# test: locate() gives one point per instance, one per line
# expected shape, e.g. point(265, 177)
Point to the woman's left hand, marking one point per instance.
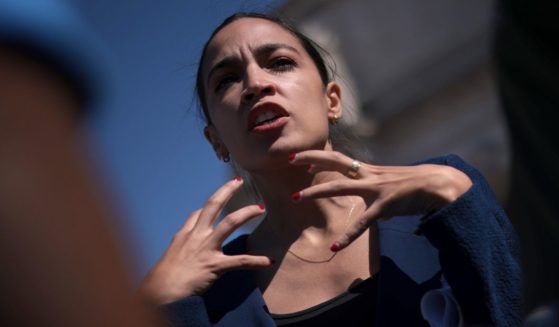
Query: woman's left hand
point(388, 191)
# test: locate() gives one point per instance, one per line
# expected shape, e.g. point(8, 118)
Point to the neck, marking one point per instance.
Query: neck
point(314, 222)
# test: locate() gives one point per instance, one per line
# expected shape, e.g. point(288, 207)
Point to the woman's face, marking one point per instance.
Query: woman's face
point(264, 94)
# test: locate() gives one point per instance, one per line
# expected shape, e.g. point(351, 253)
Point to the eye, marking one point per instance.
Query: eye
point(282, 64)
point(225, 81)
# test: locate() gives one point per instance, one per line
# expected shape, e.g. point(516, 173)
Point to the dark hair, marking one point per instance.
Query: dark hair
point(313, 49)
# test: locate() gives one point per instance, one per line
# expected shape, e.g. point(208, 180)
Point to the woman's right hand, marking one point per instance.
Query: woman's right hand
point(194, 260)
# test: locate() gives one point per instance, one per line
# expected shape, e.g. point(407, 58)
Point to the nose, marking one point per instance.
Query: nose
point(258, 83)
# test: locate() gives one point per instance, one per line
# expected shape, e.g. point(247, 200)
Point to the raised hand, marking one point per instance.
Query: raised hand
point(194, 260)
point(387, 191)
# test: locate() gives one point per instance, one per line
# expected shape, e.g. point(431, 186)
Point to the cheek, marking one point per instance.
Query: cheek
point(227, 123)
point(310, 90)
point(224, 128)
point(221, 112)
point(224, 103)
point(313, 102)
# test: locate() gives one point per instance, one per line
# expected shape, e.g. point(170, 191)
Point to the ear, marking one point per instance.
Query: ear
point(334, 100)
point(213, 138)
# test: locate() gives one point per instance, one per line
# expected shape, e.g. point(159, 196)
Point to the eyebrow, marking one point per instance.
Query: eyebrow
point(258, 51)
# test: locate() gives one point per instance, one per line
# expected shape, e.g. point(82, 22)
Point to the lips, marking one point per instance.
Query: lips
point(265, 116)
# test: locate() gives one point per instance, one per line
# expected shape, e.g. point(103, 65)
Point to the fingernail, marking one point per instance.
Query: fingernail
point(335, 247)
point(272, 260)
point(291, 156)
point(238, 178)
point(261, 206)
point(311, 166)
point(296, 197)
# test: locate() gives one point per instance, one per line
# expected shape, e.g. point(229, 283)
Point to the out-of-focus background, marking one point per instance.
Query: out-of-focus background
point(418, 80)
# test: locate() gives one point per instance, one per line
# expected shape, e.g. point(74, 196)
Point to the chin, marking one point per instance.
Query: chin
point(287, 145)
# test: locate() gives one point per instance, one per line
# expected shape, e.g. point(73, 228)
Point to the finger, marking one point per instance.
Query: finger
point(190, 221)
point(357, 228)
point(323, 160)
point(235, 220)
point(339, 187)
point(217, 201)
point(188, 225)
point(245, 261)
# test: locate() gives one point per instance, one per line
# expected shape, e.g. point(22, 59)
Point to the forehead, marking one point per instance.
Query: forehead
point(247, 33)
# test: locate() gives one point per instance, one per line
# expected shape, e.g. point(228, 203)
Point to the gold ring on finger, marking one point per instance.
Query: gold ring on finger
point(354, 169)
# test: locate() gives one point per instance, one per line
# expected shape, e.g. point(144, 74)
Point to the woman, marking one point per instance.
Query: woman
point(343, 242)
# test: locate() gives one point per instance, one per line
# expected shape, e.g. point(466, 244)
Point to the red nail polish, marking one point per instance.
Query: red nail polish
point(296, 196)
point(272, 260)
point(261, 206)
point(310, 168)
point(335, 247)
point(238, 178)
point(291, 156)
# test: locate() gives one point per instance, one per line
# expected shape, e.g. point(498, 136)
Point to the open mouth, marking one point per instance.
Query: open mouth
point(266, 116)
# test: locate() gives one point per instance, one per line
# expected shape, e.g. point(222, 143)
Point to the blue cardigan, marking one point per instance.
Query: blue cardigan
point(470, 242)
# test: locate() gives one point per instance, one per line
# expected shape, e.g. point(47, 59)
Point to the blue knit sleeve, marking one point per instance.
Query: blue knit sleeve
point(188, 312)
point(478, 252)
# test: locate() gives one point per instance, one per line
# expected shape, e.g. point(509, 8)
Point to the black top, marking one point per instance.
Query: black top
point(354, 307)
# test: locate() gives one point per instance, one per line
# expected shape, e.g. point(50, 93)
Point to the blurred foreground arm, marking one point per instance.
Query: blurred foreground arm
point(60, 266)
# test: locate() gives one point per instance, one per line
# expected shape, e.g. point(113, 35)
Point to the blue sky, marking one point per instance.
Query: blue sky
point(146, 136)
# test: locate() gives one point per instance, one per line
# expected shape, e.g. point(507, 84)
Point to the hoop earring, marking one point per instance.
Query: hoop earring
point(226, 159)
point(334, 120)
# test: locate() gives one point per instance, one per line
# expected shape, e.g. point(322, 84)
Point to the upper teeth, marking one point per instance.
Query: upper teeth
point(265, 116)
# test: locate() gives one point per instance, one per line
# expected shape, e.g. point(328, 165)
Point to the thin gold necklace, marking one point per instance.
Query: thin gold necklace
point(334, 253)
